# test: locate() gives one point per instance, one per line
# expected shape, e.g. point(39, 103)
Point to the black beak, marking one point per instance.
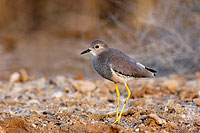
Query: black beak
point(86, 51)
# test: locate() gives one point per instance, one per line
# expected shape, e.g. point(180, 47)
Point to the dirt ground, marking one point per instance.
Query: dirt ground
point(61, 104)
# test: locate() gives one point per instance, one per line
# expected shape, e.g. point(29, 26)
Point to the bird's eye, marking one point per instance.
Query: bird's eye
point(97, 46)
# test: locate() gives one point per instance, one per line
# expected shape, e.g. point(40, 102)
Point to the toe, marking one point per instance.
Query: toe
point(117, 121)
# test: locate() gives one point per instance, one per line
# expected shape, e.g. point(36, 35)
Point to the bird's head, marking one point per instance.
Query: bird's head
point(96, 47)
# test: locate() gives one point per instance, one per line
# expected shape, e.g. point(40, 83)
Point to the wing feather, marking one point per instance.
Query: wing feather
point(124, 65)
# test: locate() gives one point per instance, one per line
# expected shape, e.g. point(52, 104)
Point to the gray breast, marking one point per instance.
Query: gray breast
point(101, 65)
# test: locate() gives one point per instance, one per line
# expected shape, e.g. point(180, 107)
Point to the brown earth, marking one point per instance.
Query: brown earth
point(61, 104)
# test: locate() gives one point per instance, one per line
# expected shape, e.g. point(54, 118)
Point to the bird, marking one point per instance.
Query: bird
point(116, 66)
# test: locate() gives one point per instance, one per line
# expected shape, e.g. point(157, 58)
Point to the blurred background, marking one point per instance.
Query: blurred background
point(46, 37)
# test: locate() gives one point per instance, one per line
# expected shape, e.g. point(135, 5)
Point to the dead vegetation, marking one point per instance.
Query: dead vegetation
point(161, 34)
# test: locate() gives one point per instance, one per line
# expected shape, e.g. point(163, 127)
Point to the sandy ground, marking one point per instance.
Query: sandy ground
point(61, 104)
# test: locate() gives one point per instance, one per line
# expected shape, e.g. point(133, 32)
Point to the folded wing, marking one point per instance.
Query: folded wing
point(124, 65)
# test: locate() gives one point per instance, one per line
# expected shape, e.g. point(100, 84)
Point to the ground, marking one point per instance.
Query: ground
point(60, 104)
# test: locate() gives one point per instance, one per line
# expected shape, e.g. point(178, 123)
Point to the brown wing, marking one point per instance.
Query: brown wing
point(124, 65)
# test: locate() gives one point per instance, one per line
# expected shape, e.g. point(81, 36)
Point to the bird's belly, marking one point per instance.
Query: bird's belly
point(119, 78)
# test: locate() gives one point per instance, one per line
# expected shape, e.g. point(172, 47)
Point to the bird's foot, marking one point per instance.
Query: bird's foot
point(117, 121)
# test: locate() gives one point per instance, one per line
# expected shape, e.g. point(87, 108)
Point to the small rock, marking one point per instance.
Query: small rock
point(197, 122)
point(34, 107)
point(16, 88)
point(97, 117)
point(24, 75)
point(7, 97)
point(171, 125)
point(139, 102)
point(137, 129)
point(44, 113)
point(196, 101)
point(172, 85)
point(155, 117)
point(33, 125)
point(77, 96)
point(11, 112)
point(169, 104)
point(181, 80)
point(111, 99)
point(21, 76)
point(188, 94)
point(15, 77)
point(57, 94)
point(60, 79)
point(33, 101)
point(83, 85)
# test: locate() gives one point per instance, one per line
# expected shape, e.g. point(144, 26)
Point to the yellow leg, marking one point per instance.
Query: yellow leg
point(129, 94)
point(118, 96)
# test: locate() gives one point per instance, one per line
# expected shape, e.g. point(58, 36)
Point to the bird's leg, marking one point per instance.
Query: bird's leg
point(118, 96)
point(129, 94)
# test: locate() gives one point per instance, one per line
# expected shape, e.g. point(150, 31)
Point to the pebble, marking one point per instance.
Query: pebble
point(97, 117)
point(83, 85)
point(137, 129)
point(60, 79)
point(33, 101)
point(15, 77)
point(17, 88)
point(172, 85)
point(23, 75)
point(171, 125)
point(139, 102)
point(157, 119)
point(33, 125)
point(197, 122)
point(196, 101)
point(57, 94)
